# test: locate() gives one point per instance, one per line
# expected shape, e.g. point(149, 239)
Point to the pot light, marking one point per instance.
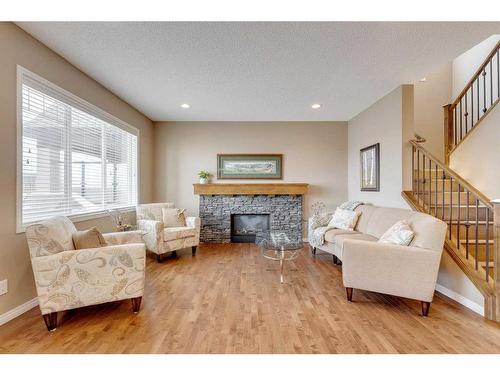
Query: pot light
point(185, 106)
point(423, 79)
point(316, 106)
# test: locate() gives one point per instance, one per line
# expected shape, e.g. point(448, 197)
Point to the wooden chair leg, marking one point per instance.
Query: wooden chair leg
point(425, 308)
point(348, 292)
point(193, 250)
point(50, 321)
point(136, 304)
point(159, 258)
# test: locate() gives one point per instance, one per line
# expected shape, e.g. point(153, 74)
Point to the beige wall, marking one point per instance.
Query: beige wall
point(17, 47)
point(313, 152)
point(390, 123)
point(477, 158)
point(465, 65)
point(430, 97)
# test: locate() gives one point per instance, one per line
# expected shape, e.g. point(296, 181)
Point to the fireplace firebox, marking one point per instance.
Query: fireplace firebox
point(244, 227)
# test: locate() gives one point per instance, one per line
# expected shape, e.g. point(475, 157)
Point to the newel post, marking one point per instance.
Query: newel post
point(496, 260)
point(448, 132)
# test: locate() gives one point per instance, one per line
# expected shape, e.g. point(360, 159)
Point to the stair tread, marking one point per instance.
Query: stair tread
point(482, 242)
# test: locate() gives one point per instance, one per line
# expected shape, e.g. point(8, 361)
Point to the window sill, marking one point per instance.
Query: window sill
point(77, 218)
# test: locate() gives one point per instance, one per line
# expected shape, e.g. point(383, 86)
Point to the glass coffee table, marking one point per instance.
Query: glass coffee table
point(278, 246)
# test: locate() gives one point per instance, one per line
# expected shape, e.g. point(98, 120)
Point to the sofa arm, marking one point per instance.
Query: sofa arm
point(76, 278)
point(153, 234)
point(194, 222)
point(121, 238)
point(404, 271)
point(317, 221)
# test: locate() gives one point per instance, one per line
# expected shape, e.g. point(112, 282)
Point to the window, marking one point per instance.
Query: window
point(73, 158)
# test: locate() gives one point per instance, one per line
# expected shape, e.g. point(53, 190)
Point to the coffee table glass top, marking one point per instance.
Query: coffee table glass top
point(279, 247)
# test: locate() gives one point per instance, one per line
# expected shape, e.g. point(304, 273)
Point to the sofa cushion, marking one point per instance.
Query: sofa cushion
point(333, 233)
point(399, 234)
point(383, 218)
point(339, 239)
point(175, 233)
point(344, 219)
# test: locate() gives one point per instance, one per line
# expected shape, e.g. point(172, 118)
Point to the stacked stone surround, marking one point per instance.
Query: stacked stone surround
point(285, 214)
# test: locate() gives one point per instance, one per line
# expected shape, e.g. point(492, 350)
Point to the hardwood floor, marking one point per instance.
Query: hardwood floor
point(228, 299)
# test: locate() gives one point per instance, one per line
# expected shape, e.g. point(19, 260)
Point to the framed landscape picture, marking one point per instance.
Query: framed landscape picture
point(249, 166)
point(370, 168)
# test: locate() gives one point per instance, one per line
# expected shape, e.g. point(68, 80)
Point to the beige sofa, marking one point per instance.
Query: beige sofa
point(405, 271)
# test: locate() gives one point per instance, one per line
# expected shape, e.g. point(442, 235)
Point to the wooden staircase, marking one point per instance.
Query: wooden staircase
point(470, 240)
point(473, 236)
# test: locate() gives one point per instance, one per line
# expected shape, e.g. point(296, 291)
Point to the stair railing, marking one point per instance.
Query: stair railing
point(434, 185)
point(475, 101)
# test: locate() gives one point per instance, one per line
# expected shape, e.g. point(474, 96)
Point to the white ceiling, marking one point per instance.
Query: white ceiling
point(258, 71)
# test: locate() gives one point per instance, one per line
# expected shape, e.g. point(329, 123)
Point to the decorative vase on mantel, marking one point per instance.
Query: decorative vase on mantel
point(204, 177)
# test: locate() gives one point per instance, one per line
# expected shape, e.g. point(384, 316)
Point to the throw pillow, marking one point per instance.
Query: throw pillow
point(88, 239)
point(399, 234)
point(344, 219)
point(173, 217)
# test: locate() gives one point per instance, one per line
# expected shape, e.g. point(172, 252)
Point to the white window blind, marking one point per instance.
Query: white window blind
point(76, 159)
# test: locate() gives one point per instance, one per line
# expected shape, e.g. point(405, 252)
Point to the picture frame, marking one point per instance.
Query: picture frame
point(370, 168)
point(249, 166)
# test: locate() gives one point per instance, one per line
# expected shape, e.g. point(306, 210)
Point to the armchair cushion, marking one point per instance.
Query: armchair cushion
point(176, 233)
point(173, 217)
point(88, 239)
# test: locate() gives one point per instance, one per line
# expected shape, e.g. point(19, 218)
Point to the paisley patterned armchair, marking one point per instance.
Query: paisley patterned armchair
point(159, 238)
point(66, 278)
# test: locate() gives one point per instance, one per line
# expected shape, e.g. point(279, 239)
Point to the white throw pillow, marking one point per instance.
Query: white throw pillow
point(399, 234)
point(344, 219)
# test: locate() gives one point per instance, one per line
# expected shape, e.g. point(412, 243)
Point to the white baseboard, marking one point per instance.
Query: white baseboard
point(15, 312)
point(461, 299)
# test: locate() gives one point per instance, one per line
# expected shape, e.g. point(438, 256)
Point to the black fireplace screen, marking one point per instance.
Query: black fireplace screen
point(244, 227)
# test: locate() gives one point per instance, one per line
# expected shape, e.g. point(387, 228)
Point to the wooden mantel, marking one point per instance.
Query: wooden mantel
point(250, 189)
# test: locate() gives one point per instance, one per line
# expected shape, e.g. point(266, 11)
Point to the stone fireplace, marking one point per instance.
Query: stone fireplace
point(233, 212)
point(284, 214)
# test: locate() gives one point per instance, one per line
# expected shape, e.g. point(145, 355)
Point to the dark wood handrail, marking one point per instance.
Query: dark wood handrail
point(480, 196)
point(478, 72)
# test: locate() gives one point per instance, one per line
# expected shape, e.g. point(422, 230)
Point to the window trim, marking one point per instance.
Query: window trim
point(81, 104)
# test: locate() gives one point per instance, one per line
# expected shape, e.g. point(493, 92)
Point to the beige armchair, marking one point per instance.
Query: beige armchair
point(161, 239)
point(66, 278)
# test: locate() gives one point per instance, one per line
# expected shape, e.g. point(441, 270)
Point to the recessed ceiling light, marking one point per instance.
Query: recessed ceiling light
point(423, 79)
point(316, 106)
point(185, 106)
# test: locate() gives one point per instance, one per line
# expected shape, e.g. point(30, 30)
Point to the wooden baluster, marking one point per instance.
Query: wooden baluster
point(460, 124)
point(477, 232)
point(449, 113)
point(458, 214)
point(466, 114)
point(451, 203)
point(472, 104)
point(487, 243)
point(467, 225)
point(491, 82)
point(436, 192)
point(484, 90)
point(496, 255)
point(413, 169)
point(418, 175)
